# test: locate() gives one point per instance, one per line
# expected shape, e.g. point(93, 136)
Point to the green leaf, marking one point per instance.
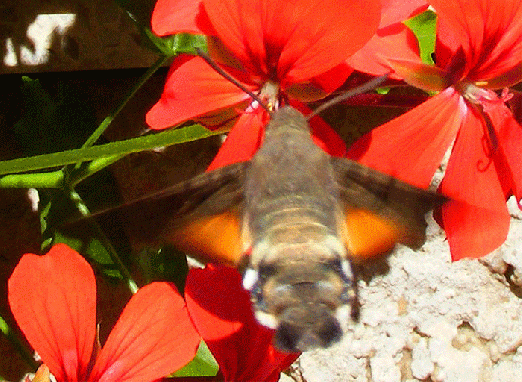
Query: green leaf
point(176, 44)
point(84, 236)
point(119, 148)
point(85, 242)
point(4, 328)
point(424, 28)
point(203, 364)
point(60, 224)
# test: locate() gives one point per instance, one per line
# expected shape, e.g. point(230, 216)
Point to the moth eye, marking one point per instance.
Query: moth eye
point(266, 270)
point(342, 267)
point(334, 265)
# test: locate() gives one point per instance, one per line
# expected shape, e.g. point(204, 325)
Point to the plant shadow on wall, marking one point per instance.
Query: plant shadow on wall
point(40, 36)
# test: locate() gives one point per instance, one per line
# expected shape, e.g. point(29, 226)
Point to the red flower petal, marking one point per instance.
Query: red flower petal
point(222, 312)
point(447, 46)
point(238, 26)
point(152, 338)
point(299, 40)
point(411, 146)
point(319, 86)
point(477, 221)
point(243, 140)
point(396, 11)
point(460, 24)
point(503, 45)
point(176, 16)
point(327, 138)
point(396, 41)
point(53, 299)
point(337, 29)
point(333, 78)
point(510, 139)
point(490, 33)
point(505, 79)
point(192, 89)
point(392, 40)
point(473, 231)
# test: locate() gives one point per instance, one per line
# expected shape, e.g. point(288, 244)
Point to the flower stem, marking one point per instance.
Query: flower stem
point(80, 205)
point(108, 120)
point(35, 180)
point(80, 173)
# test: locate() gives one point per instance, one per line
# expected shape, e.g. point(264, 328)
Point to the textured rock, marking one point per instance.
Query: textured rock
point(430, 319)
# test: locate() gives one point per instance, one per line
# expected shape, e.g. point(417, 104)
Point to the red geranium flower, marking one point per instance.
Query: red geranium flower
point(393, 39)
point(273, 47)
point(478, 50)
point(222, 313)
point(53, 299)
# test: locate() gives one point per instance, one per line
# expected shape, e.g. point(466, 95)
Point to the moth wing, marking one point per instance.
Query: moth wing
point(199, 216)
point(381, 210)
point(211, 238)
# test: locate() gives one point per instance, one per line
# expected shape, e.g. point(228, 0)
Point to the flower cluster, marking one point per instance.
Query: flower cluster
point(53, 299)
point(477, 52)
point(294, 51)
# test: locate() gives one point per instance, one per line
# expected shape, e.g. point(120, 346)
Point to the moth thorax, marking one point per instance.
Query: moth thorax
point(301, 299)
point(288, 118)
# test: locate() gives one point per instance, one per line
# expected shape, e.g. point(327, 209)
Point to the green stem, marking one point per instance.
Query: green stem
point(108, 120)
point(84, 172)
point(73, 195)
point(93, 153)
point(37, 180)
point(78, 172)
point(88, 168)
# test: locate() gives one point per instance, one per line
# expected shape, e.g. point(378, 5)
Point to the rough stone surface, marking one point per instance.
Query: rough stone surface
point(428, 319)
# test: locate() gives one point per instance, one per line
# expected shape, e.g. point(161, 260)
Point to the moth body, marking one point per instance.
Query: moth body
point(293, 222)
point(297, 218)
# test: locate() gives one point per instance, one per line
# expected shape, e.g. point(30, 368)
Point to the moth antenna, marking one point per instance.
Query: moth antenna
point(227, 76)
point(372, 84)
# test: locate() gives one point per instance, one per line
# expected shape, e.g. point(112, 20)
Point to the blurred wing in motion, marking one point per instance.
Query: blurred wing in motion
point(381, 210)
point(199, 216)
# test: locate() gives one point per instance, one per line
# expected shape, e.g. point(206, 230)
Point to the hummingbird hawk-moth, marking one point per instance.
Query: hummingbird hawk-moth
point(295, 219)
